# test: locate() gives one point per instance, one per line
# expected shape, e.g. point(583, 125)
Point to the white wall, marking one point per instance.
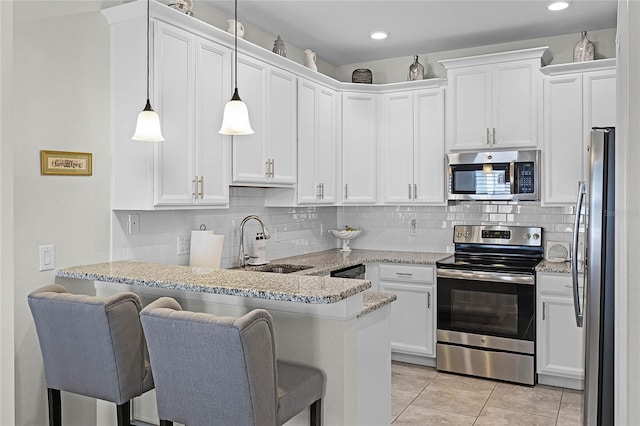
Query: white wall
point(632, 216)
point(255, 35)
point(61, 86)
point(7, 406)
point(561, 47)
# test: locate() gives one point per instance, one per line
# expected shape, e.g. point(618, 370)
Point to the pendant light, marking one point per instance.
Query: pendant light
point(148, 126)
point(236, 116)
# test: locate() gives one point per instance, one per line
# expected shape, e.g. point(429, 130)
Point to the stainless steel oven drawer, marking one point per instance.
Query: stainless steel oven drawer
point(490, 364)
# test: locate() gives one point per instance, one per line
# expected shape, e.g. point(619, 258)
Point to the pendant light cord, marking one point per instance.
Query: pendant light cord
point(148, 2)
point(235, 38)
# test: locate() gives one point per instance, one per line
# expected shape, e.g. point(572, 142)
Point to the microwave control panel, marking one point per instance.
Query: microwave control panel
point(525, 178)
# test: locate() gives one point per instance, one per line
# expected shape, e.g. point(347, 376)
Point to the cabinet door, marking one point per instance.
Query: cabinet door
point(514, 104)
point(560, 350)
point(599, 105)
point(212, 149)
point(397, 147)
point(326, 152)
point(412, 318)
point(175, 87)
point(469, 107)
point(563, 143)
point(359, 148)
point(428, 152)
point(307, 134)
point(249, 151)
point(282, 126)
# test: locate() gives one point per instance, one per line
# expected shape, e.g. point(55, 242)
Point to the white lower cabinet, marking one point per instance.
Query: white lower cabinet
point(413, 320)
point(560, 342)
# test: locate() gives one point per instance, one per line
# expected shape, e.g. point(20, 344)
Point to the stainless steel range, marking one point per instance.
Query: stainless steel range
point(486, 303)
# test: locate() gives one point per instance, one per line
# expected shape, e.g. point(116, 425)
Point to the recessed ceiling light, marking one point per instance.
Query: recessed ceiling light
point(379, 35)
point(558, 5)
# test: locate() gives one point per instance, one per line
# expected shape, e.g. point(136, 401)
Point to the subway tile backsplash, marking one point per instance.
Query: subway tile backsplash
point(302, 230)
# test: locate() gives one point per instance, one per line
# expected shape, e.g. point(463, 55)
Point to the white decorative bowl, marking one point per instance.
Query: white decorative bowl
point(345, 236)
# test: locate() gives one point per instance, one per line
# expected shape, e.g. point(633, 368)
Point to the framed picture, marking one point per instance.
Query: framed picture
point(65, 163)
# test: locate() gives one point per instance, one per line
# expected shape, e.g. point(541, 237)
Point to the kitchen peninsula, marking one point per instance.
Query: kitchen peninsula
point(332, 323)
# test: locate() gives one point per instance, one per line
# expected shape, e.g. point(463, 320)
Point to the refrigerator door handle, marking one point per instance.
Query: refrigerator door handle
point(582, 189)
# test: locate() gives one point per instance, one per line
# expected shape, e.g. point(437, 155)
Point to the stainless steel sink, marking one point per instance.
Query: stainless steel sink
point(275, 268)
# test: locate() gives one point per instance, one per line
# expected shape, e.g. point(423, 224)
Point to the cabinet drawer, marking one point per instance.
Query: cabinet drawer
point(557, 283)
point(421, 274)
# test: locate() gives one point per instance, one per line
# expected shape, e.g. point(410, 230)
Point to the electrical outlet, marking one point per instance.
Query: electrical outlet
point(47, 257)
point(133, 226)
point(184, 244)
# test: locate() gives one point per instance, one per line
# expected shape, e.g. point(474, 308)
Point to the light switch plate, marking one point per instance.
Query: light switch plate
point(47, 257)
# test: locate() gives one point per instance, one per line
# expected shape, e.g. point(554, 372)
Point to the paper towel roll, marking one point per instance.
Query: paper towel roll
point(206, 249)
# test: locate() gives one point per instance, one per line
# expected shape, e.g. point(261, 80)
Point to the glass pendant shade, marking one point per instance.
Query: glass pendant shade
point(236, 117)
point(148, 126)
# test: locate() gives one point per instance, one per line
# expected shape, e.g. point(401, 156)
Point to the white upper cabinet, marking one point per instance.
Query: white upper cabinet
point(317, 143)
point(492, 100)
point(192, 161)
point(267, 157)
point(359, 145)
point(576, 97)
point(412, 147)
point(188, 76)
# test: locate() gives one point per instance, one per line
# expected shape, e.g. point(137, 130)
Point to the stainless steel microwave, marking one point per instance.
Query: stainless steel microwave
point(494, 175)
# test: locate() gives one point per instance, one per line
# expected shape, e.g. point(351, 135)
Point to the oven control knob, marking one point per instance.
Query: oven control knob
point(483, 340)
point(536, 236)
point(527, 236)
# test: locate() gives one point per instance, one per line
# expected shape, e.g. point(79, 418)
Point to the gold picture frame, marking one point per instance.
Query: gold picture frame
point(65, 163)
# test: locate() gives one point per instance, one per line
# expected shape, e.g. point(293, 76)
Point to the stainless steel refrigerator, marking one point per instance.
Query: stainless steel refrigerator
point(594, 304)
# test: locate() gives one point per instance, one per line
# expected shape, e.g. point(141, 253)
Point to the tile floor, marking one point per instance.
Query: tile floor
point(423, 396)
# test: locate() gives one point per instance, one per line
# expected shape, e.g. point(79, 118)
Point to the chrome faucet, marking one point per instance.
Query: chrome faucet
point(242, 257)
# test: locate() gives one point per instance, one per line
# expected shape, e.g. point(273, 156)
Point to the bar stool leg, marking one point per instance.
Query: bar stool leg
point(315, 411)
point(55, 408)
point(124, 414)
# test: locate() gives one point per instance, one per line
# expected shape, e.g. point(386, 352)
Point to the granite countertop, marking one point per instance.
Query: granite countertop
point(261, 285)
point(556, 267)
point(324, 262)
point(305, 286)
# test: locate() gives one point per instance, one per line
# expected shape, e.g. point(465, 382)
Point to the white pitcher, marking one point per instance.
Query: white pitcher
point(232, 27)
point(310, 59)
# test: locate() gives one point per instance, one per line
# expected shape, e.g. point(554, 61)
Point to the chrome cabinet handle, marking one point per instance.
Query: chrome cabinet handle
point(582, 189)
point(201, 193)
point(346, 191)
point(194, 187)
point(268, 164)
point(415, 191)
point(429, 300)
point(404, 274)
point(494, 136)
point(273, 167)
point(410, 191)
point(318, 191)
point(488, 138)
point(543, 310)
point(322, 190)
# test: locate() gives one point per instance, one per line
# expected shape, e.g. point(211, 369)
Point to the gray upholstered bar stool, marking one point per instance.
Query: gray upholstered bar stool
point(212, 370)
point(92, 346)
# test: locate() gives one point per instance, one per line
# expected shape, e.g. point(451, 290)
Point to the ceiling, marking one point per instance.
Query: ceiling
point(338, 31)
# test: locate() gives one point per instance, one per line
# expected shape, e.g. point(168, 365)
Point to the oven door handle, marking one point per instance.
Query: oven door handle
point(582, 189)
point(498, 277)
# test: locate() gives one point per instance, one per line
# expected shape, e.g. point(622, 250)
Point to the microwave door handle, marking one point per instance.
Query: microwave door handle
point(512, 175)
point(582, 189)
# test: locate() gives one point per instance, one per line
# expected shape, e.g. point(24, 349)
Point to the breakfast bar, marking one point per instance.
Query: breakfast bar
point(335, 324)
